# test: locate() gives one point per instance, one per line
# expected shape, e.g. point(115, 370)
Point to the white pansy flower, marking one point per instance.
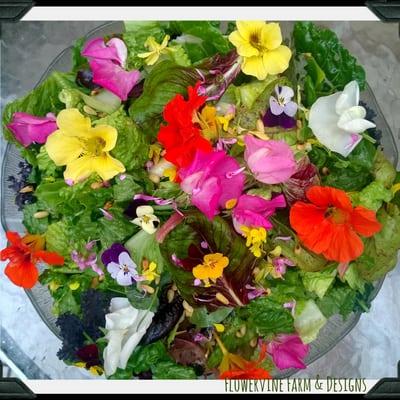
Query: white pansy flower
point(337, 120)
point(146, 219)
point(125, 327)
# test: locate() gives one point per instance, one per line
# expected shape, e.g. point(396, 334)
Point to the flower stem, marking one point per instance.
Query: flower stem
point(232, 293)
point(220, 344)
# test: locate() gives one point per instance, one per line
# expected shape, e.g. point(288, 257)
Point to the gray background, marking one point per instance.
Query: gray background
point(371, 350)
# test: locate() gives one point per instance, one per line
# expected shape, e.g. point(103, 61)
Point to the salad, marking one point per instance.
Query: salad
point(200, 198)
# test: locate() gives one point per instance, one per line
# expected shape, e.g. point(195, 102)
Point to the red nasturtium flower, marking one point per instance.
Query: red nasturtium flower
point(330, 225)
point(235, 367)
point(182, 137)
point(23, 254)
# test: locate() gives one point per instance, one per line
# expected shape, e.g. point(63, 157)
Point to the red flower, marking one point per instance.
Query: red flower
point(330, 226)
point(181, 137)
point(243, 369)
point(23, 254)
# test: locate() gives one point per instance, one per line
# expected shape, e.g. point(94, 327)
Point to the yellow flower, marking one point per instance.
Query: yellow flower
point(395, 188)
point(83, 149)
point(170, 173)
point(260, 45)
point(212, 267)
point(96, 370)
point(255, 237)
point(224, 120)
point(151, 272)
point(74, 286)
point(208, 122)
point(156, 49)
point(219, 328)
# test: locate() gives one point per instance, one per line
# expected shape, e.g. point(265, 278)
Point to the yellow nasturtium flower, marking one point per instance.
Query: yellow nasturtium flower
point(260, 46)
point(83, 149)
point(155, 49)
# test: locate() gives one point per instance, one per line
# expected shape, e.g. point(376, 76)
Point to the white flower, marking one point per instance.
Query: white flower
point(146, 219)
point(125, 327)
point(337, 120)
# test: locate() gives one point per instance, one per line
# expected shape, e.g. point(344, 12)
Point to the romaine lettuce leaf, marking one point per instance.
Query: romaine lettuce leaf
point(204, 319)
point(308, 320)
point(319, 282)
point(383, 169)
point(372, 196)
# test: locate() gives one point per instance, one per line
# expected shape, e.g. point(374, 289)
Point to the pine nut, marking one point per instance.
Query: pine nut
point(220, 297)
point(187, 307)
point(170, 295)
point(148, 289)
point(41, 214)
point(26, 189)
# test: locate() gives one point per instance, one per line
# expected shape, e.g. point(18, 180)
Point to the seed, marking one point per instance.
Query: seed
point(170, 295)
point(297, 249)
point(89, 110)
point(108, 205)
point(253, 342)
point(256, 270)
point(96, 185)
point(260, 125)
point(325, 171)
point(157, 280)
point(41, 214)
point(26, 189)
point(148, 289)
point(220, 297)
point(300, 146)
point(187, 307)
point(174, 288)
point(241, 332)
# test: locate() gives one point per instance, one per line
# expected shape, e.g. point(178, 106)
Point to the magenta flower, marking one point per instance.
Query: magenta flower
point(288, 351)
point(114, 50)
point(271, 161)
point(29, 129)
point(254, 211)
point(212, 179)
point(254, 292)
point(113, 77)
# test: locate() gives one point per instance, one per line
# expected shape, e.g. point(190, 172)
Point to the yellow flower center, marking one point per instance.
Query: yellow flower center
point(256, 41)
point(212, 267)
point(93, 146)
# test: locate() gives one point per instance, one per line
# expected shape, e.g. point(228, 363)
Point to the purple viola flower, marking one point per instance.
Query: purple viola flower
point(282, 109)
point(120, 265)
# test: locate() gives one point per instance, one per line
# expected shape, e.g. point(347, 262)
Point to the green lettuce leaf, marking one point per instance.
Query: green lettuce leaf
point(58, 239)
point(308, 320)
point(372, 196)
point(204, 319)
point(353, 278)
point(380, 250)
point(337, 64)
point(32, 224)
point(134, 183)
point(46, 165)
point(78, 61)
point(132, 144)
point(171, 370)
point(319, 282)
point(383, 170)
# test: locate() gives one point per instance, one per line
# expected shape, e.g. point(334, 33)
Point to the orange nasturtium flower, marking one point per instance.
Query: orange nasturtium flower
point(23, 254)
point(234, 366)
point(212, 267)
point(330, 225)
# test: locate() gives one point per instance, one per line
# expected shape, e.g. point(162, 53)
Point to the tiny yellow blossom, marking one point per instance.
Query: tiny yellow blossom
point(255, 237)
point(219, 328)
point(151, 272)
point(74, 286)
point(212, 267)
point(53, 286)
point(83, 149)
point(155, 49)
point(224, 120)
point(96, 370)
point(209, 124)
point(260, 46)
point(170, 173)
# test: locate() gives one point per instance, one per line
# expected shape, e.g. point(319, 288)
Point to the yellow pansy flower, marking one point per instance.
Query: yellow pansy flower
point(151, 272)
point(260, 46)
point(156, 49)
point(255, 237)
point(212, 267)
point(83, 149)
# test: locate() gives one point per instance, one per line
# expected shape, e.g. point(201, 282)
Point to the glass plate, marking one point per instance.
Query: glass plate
point(331, 334)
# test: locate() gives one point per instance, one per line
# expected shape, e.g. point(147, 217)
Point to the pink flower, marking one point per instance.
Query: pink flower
point(112, 77)
point(114, 50)
point(212, 179)
point(280, 264)
point(254, 211)
point(288, 351)
point(29, 129)
point(271, 161)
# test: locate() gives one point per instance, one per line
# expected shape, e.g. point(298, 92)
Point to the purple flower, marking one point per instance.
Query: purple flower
point(283, 103)
point(254, 292)
point(124, 271)
point(288, 351)
point(280, 264)
point(254, 211)
point(284, 121)
point(84, 261)
point(28, 129)
point(112, 253)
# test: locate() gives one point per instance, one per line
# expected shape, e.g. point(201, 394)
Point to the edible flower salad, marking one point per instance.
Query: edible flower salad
point(201, 197)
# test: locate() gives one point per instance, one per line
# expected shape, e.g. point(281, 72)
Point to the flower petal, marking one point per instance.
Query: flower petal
point(107, 133)
point(275, 107)
point(350, 97)
point(271, 35)
point(106, 166)
point(79, 169)
point(276, 61)
point(124, 278)
point(25, 274)
point(364, 221)
point(63, 149)
point(290, 108)
point(243, 46)
point(49, 257)
point(71, 121)
point(254, 66)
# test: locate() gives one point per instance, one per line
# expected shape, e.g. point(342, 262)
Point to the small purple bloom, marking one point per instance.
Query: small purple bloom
point(106, 214)
point(124, 271)
point(28, 129)
point(122, 177)
point(69, 182)
point(280, 264)
point(112, 253)
point(283, 120)
point(282, 103)
point(84, 261)
point(197, 282)
point(254, 292)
